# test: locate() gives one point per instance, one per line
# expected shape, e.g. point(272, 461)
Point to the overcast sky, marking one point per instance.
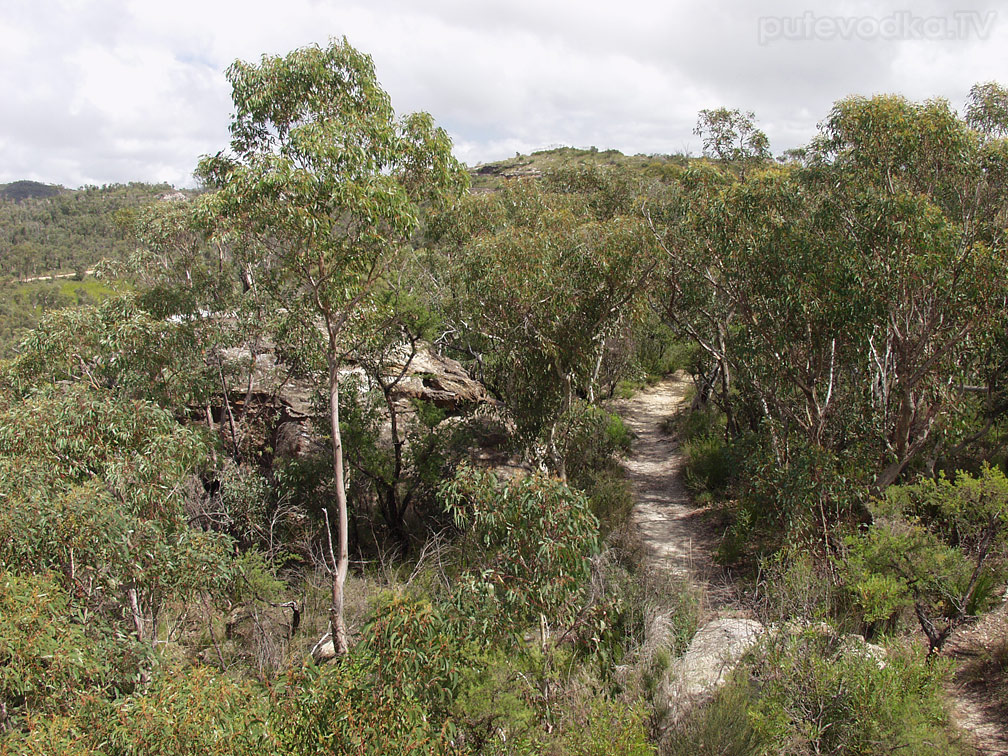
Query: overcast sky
point(101, 91)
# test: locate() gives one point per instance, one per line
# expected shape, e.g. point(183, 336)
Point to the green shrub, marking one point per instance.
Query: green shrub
point(721, 727)
point(798, 502)
point(938, 546)
point(593, 439)
point(46, 657)
point(794, 585)
point(817, 695)
point(493, 712)
point(186, 712)
point(527, 550)
point(658, 352)
point(709, 466)
point(613, 629)
point(701, 422)
point(611, 499)
point(604, 728)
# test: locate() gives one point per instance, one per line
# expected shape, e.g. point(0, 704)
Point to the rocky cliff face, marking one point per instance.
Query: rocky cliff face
point(292, 402)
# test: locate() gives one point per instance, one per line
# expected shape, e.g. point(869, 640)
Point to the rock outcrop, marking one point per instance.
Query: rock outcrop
point(441, 381)
point(718, 647)
point(713, 654)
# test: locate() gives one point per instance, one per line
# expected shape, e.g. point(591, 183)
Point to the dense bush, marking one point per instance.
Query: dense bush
point(820, 694)
point(528, 549)
point(939, 546)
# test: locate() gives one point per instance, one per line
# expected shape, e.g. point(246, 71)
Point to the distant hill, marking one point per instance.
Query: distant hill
point(22, 190)
point(489, 176)
point(47, 229)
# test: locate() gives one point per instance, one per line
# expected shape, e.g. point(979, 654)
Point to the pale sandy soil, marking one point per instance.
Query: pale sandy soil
point(681, 538)
point(678, 536)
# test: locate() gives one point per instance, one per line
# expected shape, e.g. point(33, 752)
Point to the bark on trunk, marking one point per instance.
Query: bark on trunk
point(559, 459)
point(337, 626)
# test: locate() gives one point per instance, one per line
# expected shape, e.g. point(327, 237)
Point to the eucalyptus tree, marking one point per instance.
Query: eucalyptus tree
point(917, 196)
point(543, 280)
point(731, 137)
point(850, 295)
point(330, 182)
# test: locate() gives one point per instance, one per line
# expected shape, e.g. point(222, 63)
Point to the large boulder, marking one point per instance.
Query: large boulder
point(439, 380)
point(713, 654)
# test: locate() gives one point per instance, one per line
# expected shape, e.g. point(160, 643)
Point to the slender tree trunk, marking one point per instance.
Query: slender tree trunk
point(726, 383)
point(595, 373)
point(134, 602)
point(559, 459)
point(337, 626)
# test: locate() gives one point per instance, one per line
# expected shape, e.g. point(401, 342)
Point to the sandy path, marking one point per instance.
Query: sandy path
point(679, 537)
point(977, 692)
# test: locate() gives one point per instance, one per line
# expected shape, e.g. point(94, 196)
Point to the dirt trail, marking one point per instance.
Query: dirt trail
point(679, 537)
point(977, 691)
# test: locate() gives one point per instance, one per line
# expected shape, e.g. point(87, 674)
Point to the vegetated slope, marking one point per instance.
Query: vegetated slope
point(48, 229)
point(22, 190)
point(48, 232)
point(22, 304)
point(490, 176)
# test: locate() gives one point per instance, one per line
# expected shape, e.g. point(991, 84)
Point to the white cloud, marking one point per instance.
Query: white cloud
point(131, 90)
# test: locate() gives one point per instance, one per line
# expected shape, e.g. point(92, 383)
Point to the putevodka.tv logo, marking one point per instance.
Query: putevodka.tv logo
point(901, 25)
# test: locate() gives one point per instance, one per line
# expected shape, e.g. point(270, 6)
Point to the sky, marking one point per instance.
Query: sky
point(109, 91)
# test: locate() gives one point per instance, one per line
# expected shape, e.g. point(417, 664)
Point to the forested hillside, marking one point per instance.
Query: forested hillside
point(337, 466)
point(46, 229)
point(51, 238)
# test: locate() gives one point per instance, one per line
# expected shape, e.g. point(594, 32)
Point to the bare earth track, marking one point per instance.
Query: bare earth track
point(977, 691)
point(681, 539)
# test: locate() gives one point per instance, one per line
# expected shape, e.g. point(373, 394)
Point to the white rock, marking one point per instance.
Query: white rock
point(713, 653)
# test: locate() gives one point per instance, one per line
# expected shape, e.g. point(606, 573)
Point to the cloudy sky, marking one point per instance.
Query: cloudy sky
point(100, 91)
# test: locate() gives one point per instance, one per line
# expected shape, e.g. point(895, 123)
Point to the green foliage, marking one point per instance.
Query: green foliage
point(939, 546)
point(541, 282)
point(94, 491)
point(709, 466)
point(535, 538)
point(608, 727)
point(591, 438)
point(795, 585)
point(610, 497)
point(732, 137)
point(317, 124)
point(987, 110)
point(23, 305)
point(241, 502)
point(818, 694)
point(795, 503)
point(615, 624)
point(391, 696)
point(59, 436)
point(68, 229)
point(46, 656)
point(802, 286)
point(721, 727)
point(117, 346)
point(188, 711)
point(492, 711)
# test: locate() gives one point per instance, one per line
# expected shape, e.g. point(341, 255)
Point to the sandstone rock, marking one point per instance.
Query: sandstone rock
point(294, 440)
point(324, 650)
point(441, 381)
point(712, 655)
point(856, 645)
